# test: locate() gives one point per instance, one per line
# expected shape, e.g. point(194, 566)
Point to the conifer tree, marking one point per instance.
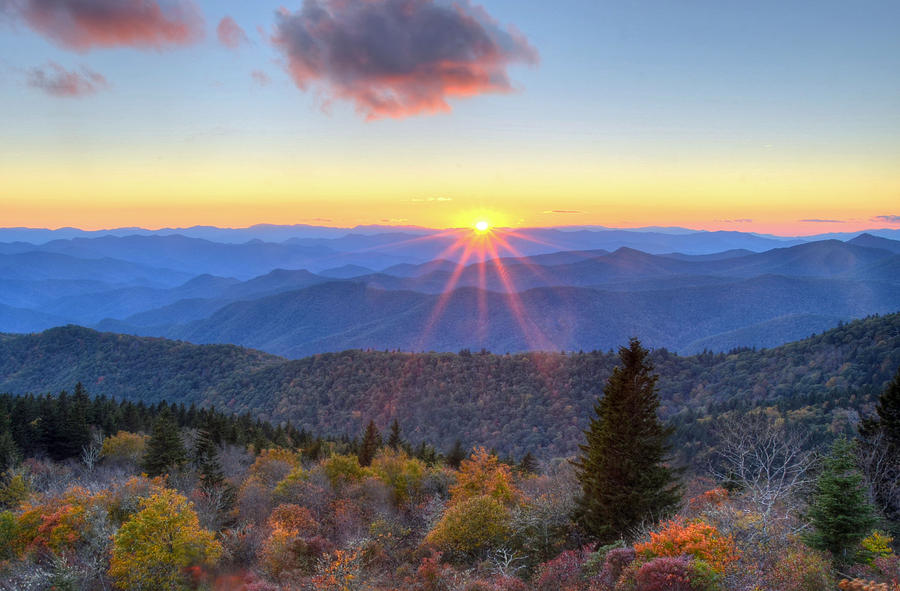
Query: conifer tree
point(880, 453)
point(9, 453)
point(528, 464)
point(165, 450)
point(840, 513)
point(624, 481)
point(370, 444)
point(888, 421)
point(206, 459)
point(456, 455)
point(394, 441)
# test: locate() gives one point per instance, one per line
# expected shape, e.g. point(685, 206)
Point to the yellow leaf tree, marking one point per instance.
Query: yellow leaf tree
point(156, 546)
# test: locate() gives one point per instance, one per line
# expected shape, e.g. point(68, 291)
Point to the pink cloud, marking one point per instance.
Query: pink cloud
point(87, 24)
point(260, 77)
point(230, 33)
point(57, 81)
point(396, 58)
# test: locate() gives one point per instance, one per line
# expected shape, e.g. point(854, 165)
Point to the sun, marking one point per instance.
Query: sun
point(482, 226)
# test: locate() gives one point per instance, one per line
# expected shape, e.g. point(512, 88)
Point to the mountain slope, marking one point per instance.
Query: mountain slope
point(537, 402)
point(344, 315)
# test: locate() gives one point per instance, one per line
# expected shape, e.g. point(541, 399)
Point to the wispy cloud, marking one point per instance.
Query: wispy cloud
point(397, 58)
point(818, 221)
point(430, 199)
point(56, 81)
point(82, 25)
point(736, 221)
point(230, 34)
point(260, 77)
point(561, 211)
point(890, 219)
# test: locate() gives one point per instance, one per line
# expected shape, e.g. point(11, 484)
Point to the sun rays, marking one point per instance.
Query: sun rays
point(479, 253)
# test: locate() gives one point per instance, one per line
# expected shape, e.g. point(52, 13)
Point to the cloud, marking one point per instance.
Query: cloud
point(430, 199)
point(86, 24)
point(230, 33)
point(818, 221)
point(890, 219)
point(561, 211)
point(57, 81)
point(260, 77)
point(736, 221)
point(397, 58)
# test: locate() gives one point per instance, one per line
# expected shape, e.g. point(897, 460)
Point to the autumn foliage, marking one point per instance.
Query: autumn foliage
point(153, 549)
point(694, 538)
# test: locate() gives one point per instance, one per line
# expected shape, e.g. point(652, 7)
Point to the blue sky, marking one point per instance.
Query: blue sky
point(801, 100)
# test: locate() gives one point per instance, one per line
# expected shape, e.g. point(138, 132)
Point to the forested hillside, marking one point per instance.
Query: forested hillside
point(537, 402)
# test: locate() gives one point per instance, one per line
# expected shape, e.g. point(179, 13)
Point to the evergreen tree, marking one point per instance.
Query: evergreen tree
point(528, 464)
point(840, 513)
point(206, 460)
point(9, 453)
point(888, 421)
point(370, 444)
point(394, 441)
point(165, 450)
point(74, 430)
point(880, 453)
point(621, 471)
point(456, 455)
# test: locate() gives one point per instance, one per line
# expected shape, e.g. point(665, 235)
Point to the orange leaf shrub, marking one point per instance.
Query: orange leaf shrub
point(695, 538)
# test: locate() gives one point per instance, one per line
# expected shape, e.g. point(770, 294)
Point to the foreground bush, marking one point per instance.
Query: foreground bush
point(155, 548)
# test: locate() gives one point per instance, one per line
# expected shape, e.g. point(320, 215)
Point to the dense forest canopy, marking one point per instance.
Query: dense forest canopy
point(535, 402)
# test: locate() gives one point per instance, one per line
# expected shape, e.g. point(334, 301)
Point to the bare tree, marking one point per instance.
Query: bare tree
point(767, 459)
point(90, 453)
point(506, 561)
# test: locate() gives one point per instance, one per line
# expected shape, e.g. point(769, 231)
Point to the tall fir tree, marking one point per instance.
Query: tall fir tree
point(206, 460)
point(75, 432)
point(456, 455)
point(840, 513)
point(888, 421)
point(879, 447)
point(9, 452)
point(621, 468)
point(369, 446)
point(394, 440)
point(528, 464)
point(165, 450)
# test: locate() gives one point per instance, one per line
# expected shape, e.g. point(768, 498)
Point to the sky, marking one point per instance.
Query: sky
point(775, 117)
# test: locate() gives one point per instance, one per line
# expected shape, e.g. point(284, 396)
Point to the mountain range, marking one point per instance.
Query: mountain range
point(407, 289)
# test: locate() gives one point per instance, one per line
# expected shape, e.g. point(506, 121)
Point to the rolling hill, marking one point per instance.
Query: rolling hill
point(343, 315)
point(535, 402)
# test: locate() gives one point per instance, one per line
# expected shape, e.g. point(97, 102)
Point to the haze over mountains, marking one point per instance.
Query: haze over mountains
point(316, 290)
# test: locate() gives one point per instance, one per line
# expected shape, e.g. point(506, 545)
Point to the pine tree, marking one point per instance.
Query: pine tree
point(74, 431)
point(880, 453)
point(9, 453)
point(840, 513)
point(394, 441)
point(624, 481)
point(370, 444)
point(528, 465)
point(456, 455)
point(206, 459)
point(165, 451)
point(888, 421)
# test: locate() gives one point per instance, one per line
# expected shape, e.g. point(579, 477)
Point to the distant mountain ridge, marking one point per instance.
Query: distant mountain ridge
point(181, 287)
